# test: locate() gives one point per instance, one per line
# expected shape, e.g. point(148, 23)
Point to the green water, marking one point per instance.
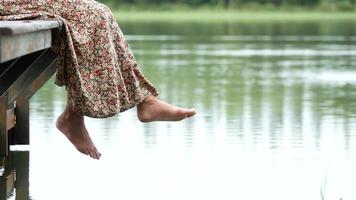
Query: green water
point(276, 119)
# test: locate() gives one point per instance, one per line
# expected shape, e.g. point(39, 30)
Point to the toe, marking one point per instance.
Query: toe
point(97, 154)
point(92, 154)
point(191, 112)
point(188, 112)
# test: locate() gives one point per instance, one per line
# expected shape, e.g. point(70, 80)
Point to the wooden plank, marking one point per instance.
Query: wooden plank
point(13, 46)
point(27, 26)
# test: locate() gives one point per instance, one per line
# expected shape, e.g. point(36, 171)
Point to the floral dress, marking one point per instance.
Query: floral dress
point(95, 63)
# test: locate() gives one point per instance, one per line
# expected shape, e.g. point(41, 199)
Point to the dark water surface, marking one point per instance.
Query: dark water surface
point(276, 120)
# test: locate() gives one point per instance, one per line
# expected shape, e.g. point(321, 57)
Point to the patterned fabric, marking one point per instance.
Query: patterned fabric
point(95, 62)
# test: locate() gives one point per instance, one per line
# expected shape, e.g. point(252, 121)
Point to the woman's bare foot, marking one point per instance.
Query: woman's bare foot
point(153, 109)
point(73, 127)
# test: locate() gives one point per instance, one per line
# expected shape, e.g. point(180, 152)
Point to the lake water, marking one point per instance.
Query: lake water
point(276, 120)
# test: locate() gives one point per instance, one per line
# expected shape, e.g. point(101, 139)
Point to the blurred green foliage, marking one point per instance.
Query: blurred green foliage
point(325, 5)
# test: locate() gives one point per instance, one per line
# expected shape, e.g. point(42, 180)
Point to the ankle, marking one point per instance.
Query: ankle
point(71, 117)
point(150, 100)
point(66, 122)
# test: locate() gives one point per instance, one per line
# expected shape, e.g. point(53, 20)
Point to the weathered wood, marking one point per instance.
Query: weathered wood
point(26, 63)
point(4, 146)
point(5, 66)
point(22, 74)
point(22, 129)
point(27, 26)
point(13, 46)
point(3, 190)
point(18, 38)
point(15, 174)
point(46, 73)
point(23, 80)
point(2, 165)
point(22, 133)
point(7, 184)
point(10, 118)
point(21, 160)
point(9, 83)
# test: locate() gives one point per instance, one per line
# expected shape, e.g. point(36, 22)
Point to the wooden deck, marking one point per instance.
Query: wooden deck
point(26, 63)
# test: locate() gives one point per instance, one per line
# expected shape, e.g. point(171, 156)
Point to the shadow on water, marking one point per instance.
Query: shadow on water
point(14, 176)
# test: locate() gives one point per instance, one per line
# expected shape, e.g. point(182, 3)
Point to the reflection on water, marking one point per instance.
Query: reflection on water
point(277, 114)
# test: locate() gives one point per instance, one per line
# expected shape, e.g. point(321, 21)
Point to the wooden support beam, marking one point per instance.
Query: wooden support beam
point(22, 74)
point(4, 143)
point(15, 174)
point(7, 184)
point(10, 182)
point(18, 83)
point(21, 165)
point(26, 63)
point(11, 119)
point(14, 80)
point(47, 71)
point(22, 109)
point(22, 129)
point(2, 165)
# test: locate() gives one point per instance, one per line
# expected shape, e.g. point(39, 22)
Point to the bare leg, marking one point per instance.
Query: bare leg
point(153, 109)
point(71, 124)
